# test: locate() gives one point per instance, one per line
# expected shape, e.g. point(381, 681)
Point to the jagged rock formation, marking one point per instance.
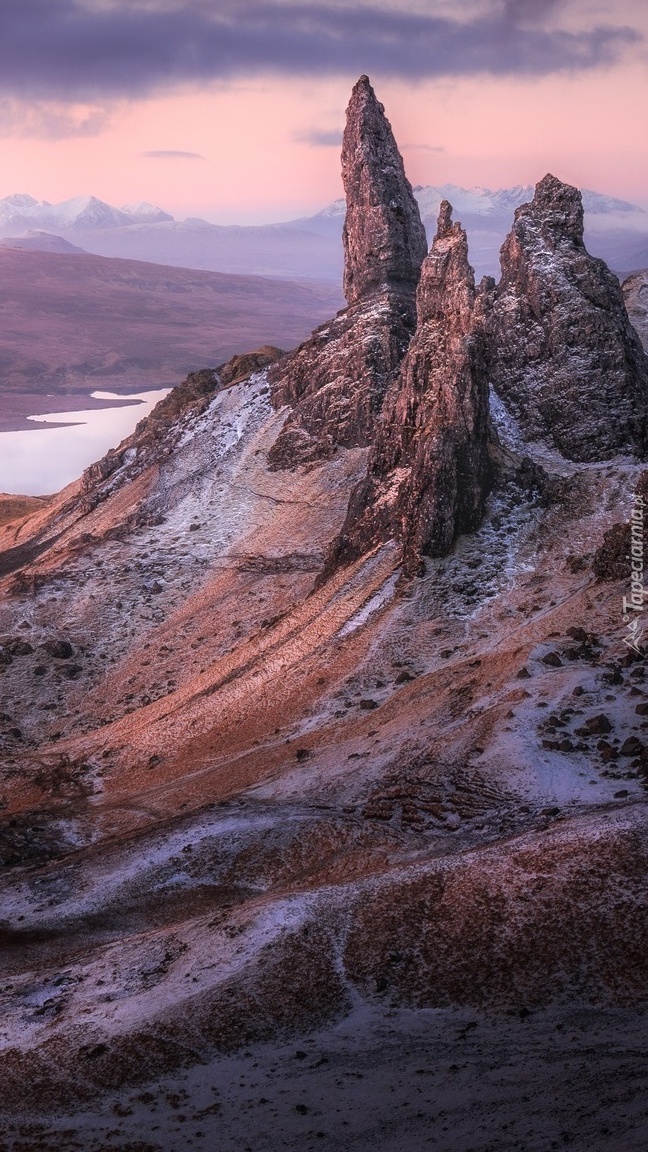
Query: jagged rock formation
point(566, 360)
point(384, 238)
point(336, 381)
point(429, 473)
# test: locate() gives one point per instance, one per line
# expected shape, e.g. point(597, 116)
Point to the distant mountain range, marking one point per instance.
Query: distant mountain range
point(306, 248)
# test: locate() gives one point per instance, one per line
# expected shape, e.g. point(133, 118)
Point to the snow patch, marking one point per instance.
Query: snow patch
point(377, 601)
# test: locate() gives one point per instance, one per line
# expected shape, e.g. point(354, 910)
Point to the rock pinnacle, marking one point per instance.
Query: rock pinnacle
point(384, 238)
point(566, 360)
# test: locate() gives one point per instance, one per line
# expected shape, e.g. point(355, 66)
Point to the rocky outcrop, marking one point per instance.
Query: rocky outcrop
point(429, 473)
point(566, 360)
point(336, 381)
point(384, 238)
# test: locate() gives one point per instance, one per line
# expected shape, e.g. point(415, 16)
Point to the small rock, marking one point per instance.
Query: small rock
point(578, 690)
point(598, 723)
point(59, 649)
point(368, 704)
point(552, 659)
point(632, 747)
point(642, 709)
point(20, 648)
point(303, 754)
point(524, 674)
point(578, 634)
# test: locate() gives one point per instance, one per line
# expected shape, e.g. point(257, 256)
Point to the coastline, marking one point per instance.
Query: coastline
point(16, 407)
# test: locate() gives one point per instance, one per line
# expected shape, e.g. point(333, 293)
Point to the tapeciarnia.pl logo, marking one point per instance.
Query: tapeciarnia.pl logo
point(633, 606)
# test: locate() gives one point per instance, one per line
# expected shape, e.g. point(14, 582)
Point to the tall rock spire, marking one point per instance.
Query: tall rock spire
point(336, 381)
point(566, 360)
point(429, 472)
point(384, 238)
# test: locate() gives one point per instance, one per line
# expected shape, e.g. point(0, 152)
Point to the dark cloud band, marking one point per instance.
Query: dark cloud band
point(78, 49)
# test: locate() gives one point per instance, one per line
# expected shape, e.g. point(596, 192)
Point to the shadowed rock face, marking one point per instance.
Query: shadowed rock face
point(566, 359)
point(336, 381)
point(429, 472)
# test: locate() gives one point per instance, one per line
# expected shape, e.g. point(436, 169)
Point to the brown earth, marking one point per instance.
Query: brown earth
point(75, 323)
point(17, 507)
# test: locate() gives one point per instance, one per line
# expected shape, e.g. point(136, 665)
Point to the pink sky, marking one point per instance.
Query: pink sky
point(255, 159)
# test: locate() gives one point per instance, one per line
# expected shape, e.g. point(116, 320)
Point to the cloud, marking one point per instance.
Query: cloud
point(320, 138)
point(49, 121)
point(93, 50)
point(171, 154)
point(530, 11)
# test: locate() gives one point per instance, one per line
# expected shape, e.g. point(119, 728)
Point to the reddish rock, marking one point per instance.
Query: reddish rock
point(384, 238)
point(336, 381)
point(429, 473)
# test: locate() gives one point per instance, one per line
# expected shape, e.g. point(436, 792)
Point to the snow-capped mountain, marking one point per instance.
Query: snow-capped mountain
point(144, 213)
point(488, 203)
point(21, 211)
point(309, 247)
point(336, 208)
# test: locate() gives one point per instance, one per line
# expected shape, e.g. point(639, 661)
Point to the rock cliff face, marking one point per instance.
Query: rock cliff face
point(566, 359)
point(384, 238)
point(336, 381)
point(429, 472)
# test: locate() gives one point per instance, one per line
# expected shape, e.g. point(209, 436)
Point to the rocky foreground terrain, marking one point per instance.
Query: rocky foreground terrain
point(323, 790)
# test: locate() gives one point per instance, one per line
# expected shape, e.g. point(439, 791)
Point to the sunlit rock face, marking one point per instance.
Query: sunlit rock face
point(336, 381)
point(429, 472)
point(566, 359)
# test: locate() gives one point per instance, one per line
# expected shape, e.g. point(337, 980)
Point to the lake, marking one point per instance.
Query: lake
point(42, 461)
